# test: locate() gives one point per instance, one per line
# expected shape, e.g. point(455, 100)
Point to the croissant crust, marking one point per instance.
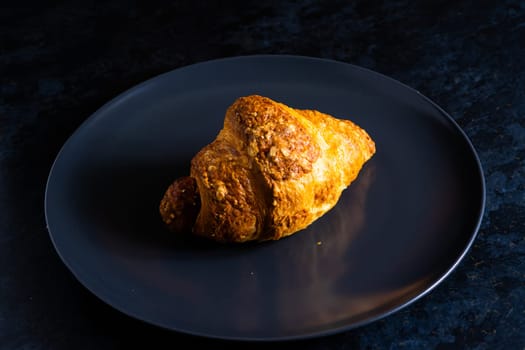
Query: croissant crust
point(272, 170)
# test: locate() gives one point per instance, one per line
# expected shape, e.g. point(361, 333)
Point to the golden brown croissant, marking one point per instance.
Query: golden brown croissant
point(271, 171)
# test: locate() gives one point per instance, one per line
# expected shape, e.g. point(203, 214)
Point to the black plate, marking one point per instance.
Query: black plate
point(396, 232)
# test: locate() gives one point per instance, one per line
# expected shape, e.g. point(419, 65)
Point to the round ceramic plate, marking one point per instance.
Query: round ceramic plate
point(395, 233)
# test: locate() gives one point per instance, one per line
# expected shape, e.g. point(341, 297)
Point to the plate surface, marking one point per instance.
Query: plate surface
point(396, 232)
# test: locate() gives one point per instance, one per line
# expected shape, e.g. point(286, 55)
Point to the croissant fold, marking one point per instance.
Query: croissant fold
point(271, 171)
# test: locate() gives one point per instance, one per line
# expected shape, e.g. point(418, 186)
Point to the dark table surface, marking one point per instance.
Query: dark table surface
point(60, 62)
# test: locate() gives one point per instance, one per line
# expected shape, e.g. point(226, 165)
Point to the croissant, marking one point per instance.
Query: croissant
point(271, 171)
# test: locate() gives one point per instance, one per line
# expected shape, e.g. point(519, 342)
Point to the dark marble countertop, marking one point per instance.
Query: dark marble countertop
point(60, 61)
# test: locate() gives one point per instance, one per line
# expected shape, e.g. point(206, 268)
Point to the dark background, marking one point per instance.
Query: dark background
point(62, 60)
